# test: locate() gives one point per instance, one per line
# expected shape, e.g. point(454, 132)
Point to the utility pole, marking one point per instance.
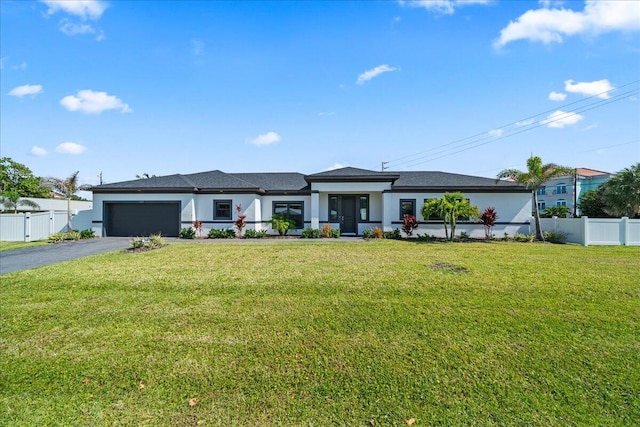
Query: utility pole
point(100, 177)
point(384, 167)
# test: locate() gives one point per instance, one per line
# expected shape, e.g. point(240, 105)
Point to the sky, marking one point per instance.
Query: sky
point(123, 88)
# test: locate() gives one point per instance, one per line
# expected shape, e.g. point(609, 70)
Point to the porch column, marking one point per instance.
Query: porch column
point(387, 211)
point(315, 209)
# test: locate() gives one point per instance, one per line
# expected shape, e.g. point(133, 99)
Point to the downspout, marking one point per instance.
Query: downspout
point(575, 192)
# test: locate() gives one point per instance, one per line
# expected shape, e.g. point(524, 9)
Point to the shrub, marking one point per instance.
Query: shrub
point(335, 233)
point(326, 231)
point(310, 233)
point(282, 224)
point(87, 234)
point(395, 234)
point(152, 242)
point(488, 219)
point(240, 223)
point(64, 236)
point(367, 234)
point(559, 211)
point(215, 233)
point(187, 233)
point(409, 223)
point(425, 238)
point(255, 234)
point(464, 235)
point(197, 225)
point(377, 233)
point(526, 238)
point(555, 237)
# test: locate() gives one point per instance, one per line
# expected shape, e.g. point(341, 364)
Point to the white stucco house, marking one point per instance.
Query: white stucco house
point(349, 199)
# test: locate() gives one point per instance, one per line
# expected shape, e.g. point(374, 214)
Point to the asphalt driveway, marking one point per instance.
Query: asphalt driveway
point(24, 259)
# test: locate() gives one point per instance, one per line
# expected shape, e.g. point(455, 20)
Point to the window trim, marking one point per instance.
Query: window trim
point(215, 210)
point(413, 207)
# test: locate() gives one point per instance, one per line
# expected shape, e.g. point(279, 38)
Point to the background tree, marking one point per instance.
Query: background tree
point(559, 211)
point(145, 176)
point(68, 187)
point(450, 208)
point(11, 200)
point(621, 193)
point(535, 177)
point(16, 178)
point(592, 204)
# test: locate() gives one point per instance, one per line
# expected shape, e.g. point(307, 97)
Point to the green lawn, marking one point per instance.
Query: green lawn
point(11, 246)
point(325, 333)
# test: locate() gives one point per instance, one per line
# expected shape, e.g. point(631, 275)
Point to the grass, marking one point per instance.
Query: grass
point(11, 246)
point(327, 333)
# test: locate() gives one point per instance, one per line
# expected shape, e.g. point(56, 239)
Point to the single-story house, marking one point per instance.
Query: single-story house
point(349, 199)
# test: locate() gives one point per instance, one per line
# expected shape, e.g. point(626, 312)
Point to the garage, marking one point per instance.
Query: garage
point(130, 219)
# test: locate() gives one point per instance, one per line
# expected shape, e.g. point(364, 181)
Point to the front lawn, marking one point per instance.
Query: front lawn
point(12, 246)
point(328, 333)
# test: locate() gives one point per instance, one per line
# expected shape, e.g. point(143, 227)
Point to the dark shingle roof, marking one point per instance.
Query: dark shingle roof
point(351, 174)
point(275, 181)
point(445, 180)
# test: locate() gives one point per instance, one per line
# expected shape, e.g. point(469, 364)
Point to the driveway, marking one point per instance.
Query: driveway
point(24, 259)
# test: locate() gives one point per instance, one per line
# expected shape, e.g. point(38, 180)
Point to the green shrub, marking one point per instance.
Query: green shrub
point(555, 237)
point(255, 234)
point(87, 234)
point(335, 233)
point(152, 242)
point(464, 235)
point(65, 235)
point(215, 233)
point(395, 234)
point(310, 233)
point(282, 224)
point(187, 233)
point(425, 238)
point(367, 234)
point(526, 238)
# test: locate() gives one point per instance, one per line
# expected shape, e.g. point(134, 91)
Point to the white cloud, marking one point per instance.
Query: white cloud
point(556, 96)
point(552, 25)
point(38, 151)
point(265, 139)
point(197, 47)
point(446, 7)
point(496, 133)
point(70, 148)
point(84, 9)
point(599, 88)
point(336, 166)
point(72, 29)
point(25, 90)
point(560, 119)
point(374, 72)
point(21, 66)
point(326, 113)
point(525, 122)
point(90, 102)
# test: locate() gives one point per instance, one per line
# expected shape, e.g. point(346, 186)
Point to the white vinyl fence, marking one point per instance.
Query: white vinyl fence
point(29, 227)
point(595, 231)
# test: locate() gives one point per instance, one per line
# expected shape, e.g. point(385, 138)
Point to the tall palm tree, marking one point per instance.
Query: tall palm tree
point(67, 187)
point(534, 178)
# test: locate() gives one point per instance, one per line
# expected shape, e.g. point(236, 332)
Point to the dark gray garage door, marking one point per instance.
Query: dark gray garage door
point(142, 219)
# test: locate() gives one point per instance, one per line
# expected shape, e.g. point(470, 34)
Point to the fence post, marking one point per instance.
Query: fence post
point(27, 226)
point(555, 224)
point(51, 222)
point(585, 230)
point(624, 232)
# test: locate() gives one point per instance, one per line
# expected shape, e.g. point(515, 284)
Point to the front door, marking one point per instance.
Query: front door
point(348, 215)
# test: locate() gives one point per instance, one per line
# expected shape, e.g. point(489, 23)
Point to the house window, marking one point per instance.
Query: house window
point(561, 202)
point(433, 217)
point(561, 188)
point(333, 208)
point(541, 205)
point(222, 209)
point(407, 206)
point(542, 191)
point(291, 210)
point(364, 208)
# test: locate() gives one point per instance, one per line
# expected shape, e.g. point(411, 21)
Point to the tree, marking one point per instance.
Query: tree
point(450, 208)
point(621, 193)
point(534, 178)
point(68, 187)
point(16, 178)
point(11, 200)
point(145, 176)
point(489, 218)
point(592, 204)
point(559, 211)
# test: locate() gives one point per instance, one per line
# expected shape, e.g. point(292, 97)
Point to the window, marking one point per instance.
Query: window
point(561, 202)
point(561, 188)
point(542, 191)
point(407, 206)
point(291, 210)
point(333, 208)
point(541, 205)
point(222, 209)
point(364, 208)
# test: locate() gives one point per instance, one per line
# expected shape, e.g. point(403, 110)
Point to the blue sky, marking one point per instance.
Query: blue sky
point(124, 88)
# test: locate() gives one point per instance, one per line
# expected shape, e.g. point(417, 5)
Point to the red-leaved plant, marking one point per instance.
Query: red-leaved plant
point(240, 223)
point(197, 225)
point(409, 223)
point(489, 218)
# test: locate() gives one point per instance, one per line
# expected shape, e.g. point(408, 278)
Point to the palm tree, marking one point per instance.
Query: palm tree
point(67, 187)
point(622, 192)
point(12, 200)
point(534, 178)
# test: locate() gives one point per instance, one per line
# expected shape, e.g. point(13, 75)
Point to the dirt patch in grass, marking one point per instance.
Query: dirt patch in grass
point(445, 266)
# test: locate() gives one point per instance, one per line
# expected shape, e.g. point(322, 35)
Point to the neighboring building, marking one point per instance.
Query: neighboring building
point(566, 190)
point(349, 199)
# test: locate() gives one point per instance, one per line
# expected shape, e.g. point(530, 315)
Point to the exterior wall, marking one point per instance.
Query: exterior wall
point(514, 213)
point(204, 210)
point(55, 205)
point(266, 203)
point(185, 199)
